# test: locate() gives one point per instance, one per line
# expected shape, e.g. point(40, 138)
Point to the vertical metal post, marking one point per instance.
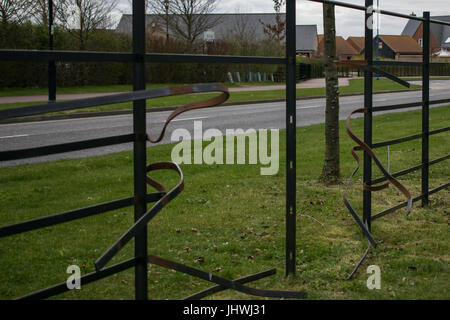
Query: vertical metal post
point(140, 159)
point(51, 64)
point(368, 103)
point(291, 122)
point(425, 106)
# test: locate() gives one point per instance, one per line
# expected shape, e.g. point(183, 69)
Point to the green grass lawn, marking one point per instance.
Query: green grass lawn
point(230, 221)
point(356, 86)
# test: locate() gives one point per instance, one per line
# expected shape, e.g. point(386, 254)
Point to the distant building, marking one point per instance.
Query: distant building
point(344, 50)
point(306, 40)
point(439, 38)
point(398, 47)
point(357, 43)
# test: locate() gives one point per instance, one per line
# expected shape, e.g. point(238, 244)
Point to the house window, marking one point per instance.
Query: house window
point(421, 42)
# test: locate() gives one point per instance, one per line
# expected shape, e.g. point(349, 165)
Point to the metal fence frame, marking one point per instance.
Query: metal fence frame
point(138, 58)
point(425, 133)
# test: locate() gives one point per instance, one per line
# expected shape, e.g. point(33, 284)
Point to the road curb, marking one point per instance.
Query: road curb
point(81, 115)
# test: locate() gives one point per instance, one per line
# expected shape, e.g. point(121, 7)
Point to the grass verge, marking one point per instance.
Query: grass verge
point(229, 220)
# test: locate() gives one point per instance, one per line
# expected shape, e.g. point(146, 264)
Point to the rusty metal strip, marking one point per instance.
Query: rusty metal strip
point(361, 146)
point(230, 284)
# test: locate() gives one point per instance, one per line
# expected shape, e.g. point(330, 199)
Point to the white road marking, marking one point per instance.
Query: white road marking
point(308, 107)
point(15, 136)
point(186, 119)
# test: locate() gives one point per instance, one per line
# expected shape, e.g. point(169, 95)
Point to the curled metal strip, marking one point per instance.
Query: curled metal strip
point(364, 147)
point(149, 215)
point(142, 222)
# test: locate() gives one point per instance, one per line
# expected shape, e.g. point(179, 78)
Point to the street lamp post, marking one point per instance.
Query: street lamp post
point(51, 63)
point(166, 5)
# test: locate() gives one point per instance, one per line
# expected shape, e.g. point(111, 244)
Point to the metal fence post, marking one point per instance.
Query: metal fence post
point(368, 103)
point(140, 159)
point(290, 138)
point(425, 107)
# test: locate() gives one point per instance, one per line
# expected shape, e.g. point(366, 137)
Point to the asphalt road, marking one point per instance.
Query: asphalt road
point(257, 116)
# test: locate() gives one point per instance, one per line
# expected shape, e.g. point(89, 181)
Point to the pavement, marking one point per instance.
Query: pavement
point(312, 83)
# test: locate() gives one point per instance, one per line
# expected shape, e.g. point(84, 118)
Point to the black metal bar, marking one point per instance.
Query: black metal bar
point(83, 103)
point(408, 105)
point(388, 13)
point(88, 278)
point(437, 131)
point(396, 141)
point(291, 125)
point(199, 58)
point(409, 170)
point(404, 204)
point(426, 107)
point(368, 104)
point(140, 156)
point(219, 288)
point(51, 64)
point(93, 56)
point(66, 56)
point(65, 147)
point(102, 100)
point(222, 281)
point(389, 76)
point(52, 220)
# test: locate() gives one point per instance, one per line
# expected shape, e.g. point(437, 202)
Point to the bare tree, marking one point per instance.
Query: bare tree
point(187, 19)
point(276, 31)
point(331, 167)
point(14, 10)
point(81, 17)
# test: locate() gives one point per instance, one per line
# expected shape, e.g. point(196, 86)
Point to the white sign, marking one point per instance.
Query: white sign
point(209, 36)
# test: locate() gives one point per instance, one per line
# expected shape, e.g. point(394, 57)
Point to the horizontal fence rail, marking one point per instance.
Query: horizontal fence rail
point(86, 56)
point(384, 12)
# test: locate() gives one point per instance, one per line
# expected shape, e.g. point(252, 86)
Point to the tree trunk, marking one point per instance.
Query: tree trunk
point(331, 169)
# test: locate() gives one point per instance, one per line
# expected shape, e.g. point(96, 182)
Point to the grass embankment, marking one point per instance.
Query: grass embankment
point(230, 221)
point(356, 86)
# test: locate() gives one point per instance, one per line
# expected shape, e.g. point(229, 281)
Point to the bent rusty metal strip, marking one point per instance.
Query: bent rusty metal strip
point(362, 146)
point(142, 222)
point(120, 98)
point(230, 284)
point(150, 214)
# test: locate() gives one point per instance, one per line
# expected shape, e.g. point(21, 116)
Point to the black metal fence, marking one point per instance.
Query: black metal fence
point(370, 68)
point(138, 60)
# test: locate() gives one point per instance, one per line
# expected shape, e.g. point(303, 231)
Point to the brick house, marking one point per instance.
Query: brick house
point(439, 37)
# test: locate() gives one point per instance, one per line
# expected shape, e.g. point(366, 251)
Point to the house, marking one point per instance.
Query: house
point(225, 25)
point(357, 43)
point(398, 47)
point(344, 50)
point(439, 37)
point(306, 40)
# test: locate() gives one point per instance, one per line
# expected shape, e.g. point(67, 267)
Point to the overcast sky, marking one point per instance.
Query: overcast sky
point(348, 22)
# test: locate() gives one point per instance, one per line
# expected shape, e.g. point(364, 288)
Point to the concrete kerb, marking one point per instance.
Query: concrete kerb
point(81, 115)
